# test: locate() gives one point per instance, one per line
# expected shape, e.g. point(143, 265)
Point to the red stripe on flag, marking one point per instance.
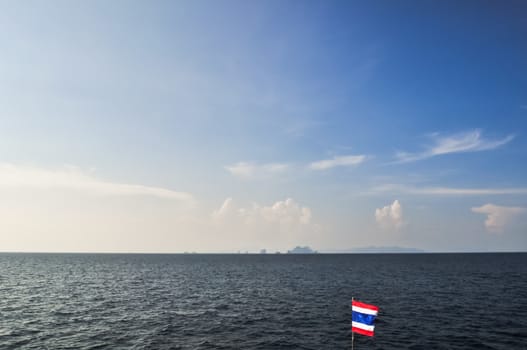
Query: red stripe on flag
point(365, 306)
point(362, 331)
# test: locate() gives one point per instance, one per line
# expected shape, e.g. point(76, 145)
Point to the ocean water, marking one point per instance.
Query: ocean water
point(105, 301)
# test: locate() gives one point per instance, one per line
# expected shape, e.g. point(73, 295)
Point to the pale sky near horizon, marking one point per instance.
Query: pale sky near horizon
point(214, 126)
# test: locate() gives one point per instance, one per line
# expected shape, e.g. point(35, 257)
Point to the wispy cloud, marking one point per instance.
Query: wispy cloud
point(249, 170)
point(72, 178)
point(470, 141)
point(349, 160)
point(498, 217)
point(446, 191)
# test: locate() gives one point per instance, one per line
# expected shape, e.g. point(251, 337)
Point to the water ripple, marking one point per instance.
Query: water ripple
point(450, 301)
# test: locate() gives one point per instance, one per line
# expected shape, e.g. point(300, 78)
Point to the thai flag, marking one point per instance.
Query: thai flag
point(362, 318)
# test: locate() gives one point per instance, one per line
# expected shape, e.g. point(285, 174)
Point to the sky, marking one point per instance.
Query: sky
point(224, 126)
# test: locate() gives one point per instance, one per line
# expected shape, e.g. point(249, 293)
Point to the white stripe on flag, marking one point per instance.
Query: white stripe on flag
point(363, 310)
point(362, 326)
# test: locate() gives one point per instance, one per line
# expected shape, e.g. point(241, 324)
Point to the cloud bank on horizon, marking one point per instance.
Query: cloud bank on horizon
point(302, 119)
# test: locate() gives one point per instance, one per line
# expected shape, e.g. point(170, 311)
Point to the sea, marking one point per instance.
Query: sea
point(267, 301)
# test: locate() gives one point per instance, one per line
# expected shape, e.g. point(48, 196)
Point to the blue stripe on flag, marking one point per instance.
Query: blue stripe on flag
point(362, 318)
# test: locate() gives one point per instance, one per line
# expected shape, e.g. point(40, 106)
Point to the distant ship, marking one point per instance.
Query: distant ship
point(302, 250)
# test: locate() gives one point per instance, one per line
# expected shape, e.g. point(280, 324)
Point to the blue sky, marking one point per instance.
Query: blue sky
point(224, 126)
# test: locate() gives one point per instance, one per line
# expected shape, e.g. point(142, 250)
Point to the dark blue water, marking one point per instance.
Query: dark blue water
point(427, 301)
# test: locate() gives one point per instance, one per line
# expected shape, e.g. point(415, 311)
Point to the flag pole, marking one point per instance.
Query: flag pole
point(352, 334)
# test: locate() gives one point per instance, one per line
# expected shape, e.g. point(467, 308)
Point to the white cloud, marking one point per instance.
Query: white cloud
point(226, 209)
point(446, 191)
point(72, 178)
point(248, 170)
point(498, 217)
point(390, 216)
point(286, 214)
point(276, 226)
point(349, 160)
point(470, 141)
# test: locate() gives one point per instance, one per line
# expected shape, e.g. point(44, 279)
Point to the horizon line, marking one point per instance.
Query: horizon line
point(272, 253)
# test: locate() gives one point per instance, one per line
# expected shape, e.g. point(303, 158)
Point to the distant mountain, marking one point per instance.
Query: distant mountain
point(301, 250)
point(375, 249)
point(394, 249)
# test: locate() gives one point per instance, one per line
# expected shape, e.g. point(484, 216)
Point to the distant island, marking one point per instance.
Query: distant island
point(374, 249)
point(302, 250)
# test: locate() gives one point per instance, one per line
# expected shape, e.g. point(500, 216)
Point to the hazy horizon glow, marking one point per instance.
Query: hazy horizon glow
point(236, 126)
